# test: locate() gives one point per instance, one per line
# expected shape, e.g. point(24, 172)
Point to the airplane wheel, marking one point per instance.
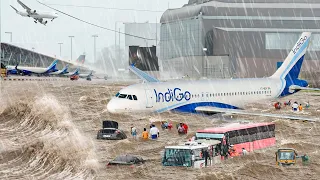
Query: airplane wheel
point(35, 22)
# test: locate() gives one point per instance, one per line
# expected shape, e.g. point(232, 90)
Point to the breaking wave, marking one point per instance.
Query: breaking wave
point(39, 140)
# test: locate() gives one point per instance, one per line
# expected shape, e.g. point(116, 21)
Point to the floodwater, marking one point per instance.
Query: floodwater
point(48, 131)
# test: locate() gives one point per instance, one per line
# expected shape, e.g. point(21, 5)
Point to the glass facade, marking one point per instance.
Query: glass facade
point(179, 39)
point(287, 40)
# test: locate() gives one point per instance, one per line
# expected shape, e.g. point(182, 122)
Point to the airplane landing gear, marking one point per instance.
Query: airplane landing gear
point(35, 22)
point(52, 19)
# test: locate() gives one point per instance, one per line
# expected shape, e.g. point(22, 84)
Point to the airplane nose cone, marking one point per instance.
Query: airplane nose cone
point(110, 107)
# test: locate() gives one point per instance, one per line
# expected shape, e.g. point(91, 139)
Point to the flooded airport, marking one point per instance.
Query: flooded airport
point(48, 131)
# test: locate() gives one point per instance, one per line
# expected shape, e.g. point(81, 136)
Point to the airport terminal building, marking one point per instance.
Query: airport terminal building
point(237, 38)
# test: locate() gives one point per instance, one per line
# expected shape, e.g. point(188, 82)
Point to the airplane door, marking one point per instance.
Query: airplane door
point(150, 99)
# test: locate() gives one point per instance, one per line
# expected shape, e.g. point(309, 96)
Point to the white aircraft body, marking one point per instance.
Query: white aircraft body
point(37, 16)
point(62, 71)
point(35, 70)
point(214, 96)
point(86, 75)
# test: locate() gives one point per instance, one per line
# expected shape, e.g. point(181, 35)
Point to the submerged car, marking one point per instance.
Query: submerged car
point(126, 160)
point(110, 131)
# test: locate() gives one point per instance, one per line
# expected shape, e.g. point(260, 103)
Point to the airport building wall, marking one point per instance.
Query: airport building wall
point(144, 51)
point(253, 34)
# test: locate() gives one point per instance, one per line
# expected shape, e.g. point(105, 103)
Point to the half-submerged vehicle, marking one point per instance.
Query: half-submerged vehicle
point(286, 157)
point(110, 131)
point(126, 160)
point(196, 154)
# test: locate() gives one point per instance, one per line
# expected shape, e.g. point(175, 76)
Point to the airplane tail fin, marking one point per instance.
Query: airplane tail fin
point(81, 59)
point(65, 69)
point(290, 68)
point(53, 65)
point(14, 9)
point(76, 72)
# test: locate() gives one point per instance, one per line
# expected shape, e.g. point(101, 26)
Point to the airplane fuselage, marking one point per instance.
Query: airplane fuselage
point(185, 96)
point(40, 15)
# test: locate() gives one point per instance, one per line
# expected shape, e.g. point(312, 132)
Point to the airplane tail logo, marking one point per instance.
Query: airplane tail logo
point(289, 71)
point(81, 59)
point(290, 68)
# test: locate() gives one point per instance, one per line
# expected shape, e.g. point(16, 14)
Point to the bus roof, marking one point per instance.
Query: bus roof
point(228, 129)
point(186, 147)
point(195, 144)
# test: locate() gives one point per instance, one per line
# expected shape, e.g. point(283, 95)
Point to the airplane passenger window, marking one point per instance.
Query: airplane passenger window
point(130, 97)
point(122, 96)
point(135, 97)
point(117, 94)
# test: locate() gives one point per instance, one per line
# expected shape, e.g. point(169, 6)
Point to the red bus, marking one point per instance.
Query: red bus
point(249, 136)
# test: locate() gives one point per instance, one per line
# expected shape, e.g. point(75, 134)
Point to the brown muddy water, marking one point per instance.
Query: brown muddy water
point(48, 131)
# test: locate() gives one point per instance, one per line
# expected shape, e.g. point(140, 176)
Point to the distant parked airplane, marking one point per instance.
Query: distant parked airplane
point(32, 70)
point(37, 16)
point(62, 71)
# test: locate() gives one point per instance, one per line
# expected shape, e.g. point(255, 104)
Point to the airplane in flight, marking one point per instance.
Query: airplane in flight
point(62, 71)
point(215, 96)
point(32, 70)
point(37, 16)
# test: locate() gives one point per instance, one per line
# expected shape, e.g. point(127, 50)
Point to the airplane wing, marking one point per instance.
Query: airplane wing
point(295, 87)
point(144, 76)
point(26, 7)
point(209, 109)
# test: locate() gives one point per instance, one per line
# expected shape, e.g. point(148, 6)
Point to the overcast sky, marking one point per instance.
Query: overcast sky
point(45, 38)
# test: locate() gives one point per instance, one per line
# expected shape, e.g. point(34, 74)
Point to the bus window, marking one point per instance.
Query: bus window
point(177, 157)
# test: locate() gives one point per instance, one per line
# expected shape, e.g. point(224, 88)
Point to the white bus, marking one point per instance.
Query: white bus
point(196, 154)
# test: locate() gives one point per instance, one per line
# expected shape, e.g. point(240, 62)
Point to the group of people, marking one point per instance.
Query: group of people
point(182, 128)
point(166, 125)
point(153, 132)
point(232, 152)
point(295, 106)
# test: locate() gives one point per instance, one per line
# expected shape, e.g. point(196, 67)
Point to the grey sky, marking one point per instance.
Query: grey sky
point(45, 38)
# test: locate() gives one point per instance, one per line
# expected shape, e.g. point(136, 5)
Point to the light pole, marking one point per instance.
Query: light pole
point(33, 57)
point(94, 48)
point(71, 45)
point(203, 68)
point(10, 35)
point(60, 48)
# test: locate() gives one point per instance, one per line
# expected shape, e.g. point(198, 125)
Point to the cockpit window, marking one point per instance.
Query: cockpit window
point(130, 97)
point(122, 96)
point(135, 97)
point(117, 94)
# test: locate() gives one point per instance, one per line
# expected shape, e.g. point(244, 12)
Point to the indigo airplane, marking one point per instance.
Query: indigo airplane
point(215, 96)
point(32, 70)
